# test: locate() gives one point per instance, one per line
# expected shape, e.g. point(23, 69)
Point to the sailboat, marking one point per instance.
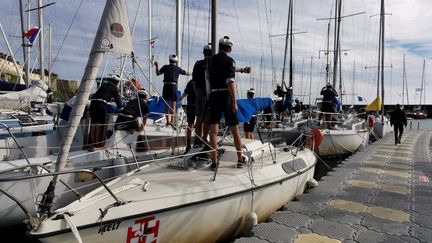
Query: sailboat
point(381, 124)
point(124, 151)
point(419, 112)
point(289, 130)
point(350, 132)
point(173, 201)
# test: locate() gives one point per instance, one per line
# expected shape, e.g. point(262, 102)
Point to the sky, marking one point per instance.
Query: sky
point(249, 23)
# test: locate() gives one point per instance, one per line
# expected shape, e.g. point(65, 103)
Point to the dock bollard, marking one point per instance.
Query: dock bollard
point(410, 125)
point(418, 125)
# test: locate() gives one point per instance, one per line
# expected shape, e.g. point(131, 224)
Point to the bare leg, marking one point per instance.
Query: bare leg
point(167, 116)
point(173, 111)
point(206, 129)
point(237, 141)
point(214, 129)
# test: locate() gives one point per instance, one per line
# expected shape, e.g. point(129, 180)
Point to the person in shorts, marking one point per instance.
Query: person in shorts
point(223, 99)
point(190, 112)
point(171, 74)
point(98, 109)
point(250, 125)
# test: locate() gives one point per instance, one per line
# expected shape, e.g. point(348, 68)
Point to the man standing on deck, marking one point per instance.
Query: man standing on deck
point(200, 78)
point(327, 105)
point(398, 120)
point(190, 111)
point(169, 93)
point(223, 98)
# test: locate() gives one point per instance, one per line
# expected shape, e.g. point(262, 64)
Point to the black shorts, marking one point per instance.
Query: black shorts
point(190, 114)
point(126, 123)
point(327, 106)
point(98, 111)
point(221, 101)
point(250, 126)
point(169, 92)
point(279, 106)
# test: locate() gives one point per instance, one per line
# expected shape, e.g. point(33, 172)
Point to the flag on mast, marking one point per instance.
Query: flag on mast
point(32, 34)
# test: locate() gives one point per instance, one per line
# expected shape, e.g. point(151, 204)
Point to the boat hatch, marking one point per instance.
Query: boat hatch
point(26, 120)
point(194, 161)
point(294, 166)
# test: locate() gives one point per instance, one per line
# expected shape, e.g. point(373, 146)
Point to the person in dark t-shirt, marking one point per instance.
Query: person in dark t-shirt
point(171, 73)
point(223, 98)
point(98, 109)
point(127, 120)
point(190, 111)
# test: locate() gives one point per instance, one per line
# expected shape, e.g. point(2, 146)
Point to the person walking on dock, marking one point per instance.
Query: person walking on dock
point(398, 120)
point(169, 92)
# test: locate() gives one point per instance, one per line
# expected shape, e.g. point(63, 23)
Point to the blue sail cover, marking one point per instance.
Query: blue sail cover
point(249, 107)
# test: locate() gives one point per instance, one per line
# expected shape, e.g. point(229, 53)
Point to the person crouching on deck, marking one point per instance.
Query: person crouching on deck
point(127, 120)
point(169, 93)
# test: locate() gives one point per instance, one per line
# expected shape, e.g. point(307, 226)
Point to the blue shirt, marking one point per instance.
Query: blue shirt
point(171, 73)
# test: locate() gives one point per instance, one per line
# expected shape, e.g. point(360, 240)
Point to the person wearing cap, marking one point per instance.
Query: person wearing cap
point(127, 120)
point(190, 111)
point(223, 98)
point(328, 106)
point(250, 126)
point(398, 120)
point(98, 109)
point(171, 73)
point(200, 81)
point(288, 101)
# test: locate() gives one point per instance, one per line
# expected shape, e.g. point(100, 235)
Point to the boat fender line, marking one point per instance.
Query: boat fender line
point(311, 183)
point(250, 222)
point(145, 186)
point(73, 228)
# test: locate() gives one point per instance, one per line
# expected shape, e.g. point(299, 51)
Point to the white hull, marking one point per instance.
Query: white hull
point(342, 142)
point(186, 206)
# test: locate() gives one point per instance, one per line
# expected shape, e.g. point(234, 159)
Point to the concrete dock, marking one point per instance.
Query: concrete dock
point(380, 194)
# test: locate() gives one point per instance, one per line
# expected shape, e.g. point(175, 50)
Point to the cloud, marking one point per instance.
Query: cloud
point(249, 23)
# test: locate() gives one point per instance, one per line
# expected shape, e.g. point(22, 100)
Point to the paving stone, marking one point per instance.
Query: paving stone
point(393, 196)
point(370, 236)
point(341, 216)
point(315, 198)
point(352, 195)
point(367, 176)
point(332, 229)
point(422, 233)
point(250, 240)
point(393, 181)
point(422, 208)
point(421, 192)
point(385, 226)
point(305, 208)
point(274, 232)
point(422, 220)
point(409, 239)
point(392, 203)
point(290, 218)
point(422, 199)
point(322, 190)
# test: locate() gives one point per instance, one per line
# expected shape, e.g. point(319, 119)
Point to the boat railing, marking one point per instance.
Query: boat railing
point(35, 221)
point(16, 142)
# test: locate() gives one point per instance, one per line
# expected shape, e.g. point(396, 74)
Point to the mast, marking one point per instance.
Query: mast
point(178, 31)
point(422, 85)
point(288, 47)
point(150, 46)
point(49, 55)
point(20, 79)
point(214, 9)
point(24, 43)
point(337, 36)
point(28, 48)
point(327, 55)
point(403, 81)
point(41, 41)
point(382, 57)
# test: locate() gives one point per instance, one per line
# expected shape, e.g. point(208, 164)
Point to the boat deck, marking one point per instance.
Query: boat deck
point(380, 194)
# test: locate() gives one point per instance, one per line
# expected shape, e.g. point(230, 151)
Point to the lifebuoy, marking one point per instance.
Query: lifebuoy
point(314, 141)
